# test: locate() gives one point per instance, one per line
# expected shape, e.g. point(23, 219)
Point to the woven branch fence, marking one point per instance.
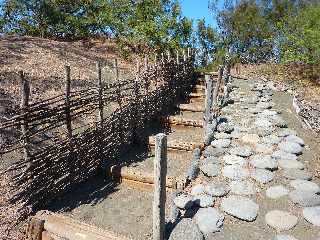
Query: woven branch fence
point(56, 154)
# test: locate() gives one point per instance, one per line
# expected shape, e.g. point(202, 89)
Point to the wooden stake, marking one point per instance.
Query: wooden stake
point(67, 102)
point(216, 90)
point(177, 51)
point(117, 80)
point(208, 100)
point(24, 105)
point(100, 87)
point(160, 172)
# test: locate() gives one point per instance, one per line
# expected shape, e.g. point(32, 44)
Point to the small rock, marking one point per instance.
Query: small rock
point(286, 132)
point(290, 164)
point(210, 160)
point(281, 220)
point(312, 215)
point(275, 192)
point(280, 122)
point(264, 161)
point(241, 151)
point(304, 185)
point(234, 159)
point(183, 201)
point(263, 123)
point(225, 127)
point(235, 172)
point(297, 174)
point(290, 147)
point(217, 189)
point(209, 220)
point(242, 187)
point(304, 198)
point(203, 200)
point(240, 207)
point(271, 139)
point(210, 151)
point(293, 138)
point(210, 169)
point(263, 132)
point(250, 139)
point(263, 148)
point(221, 143)
point(186, 229)
point(262, 176)
point(284, 155)
point(284, 237)
point(197, 190)
point(222, 135)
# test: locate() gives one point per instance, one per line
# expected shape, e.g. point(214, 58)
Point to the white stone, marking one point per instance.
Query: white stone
point(262, 176)
point(304, 185)
point(312, 215)
point(264, 161)
point(276, 192)
point(281, 220)
point(286, 164)
point(240, 207)
point(197, 190)
point(235, 172)
point(293, 138)
point(183, 201)
point(250, 139)
point(290, 147)
point(242, 187)
point(234, 159)
point(209, 220)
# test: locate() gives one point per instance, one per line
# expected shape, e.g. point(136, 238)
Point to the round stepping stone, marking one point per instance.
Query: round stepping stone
point(275, 192)
point(210, 151)
point(183, 201)
point(186, 229)
point(293, 138)
point(304, 185)
point(263, 123)
point(312, 215)
point(250, 138)
point(242, 187)
point(284, 237)
point(280, 122)
point(263, 149)
point(235, 172)
point(281, 220)
point(263, 132)
point(222, 135)
point(217, 189)
point(290, 164)
point(290, 147)
point(203, 200)
point(234, 159)
point(262, 176)
point(264, 161)
point(271, 139)
point(286, 132)
point(197, 190)
point(241, 151)
point(225, 127)
point(284, 155)
point(221, 143)
point(304, 198)
point(209, 220)
point(210, 169)
point(210, 160)
point(240, 207)
point(297, 174)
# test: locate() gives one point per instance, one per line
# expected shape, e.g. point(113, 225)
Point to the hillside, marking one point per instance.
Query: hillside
point(43, 61)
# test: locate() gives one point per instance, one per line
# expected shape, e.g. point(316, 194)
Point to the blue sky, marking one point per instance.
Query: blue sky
point(197, 9)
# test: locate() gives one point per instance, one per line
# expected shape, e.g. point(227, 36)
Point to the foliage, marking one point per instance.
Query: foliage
point(156, 24)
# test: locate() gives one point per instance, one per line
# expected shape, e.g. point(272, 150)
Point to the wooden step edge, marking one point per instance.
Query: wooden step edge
point(139, 179)
point(57, 226)
point(186, 146)
point(186, 107)
point(196, 95)
point(173, 120)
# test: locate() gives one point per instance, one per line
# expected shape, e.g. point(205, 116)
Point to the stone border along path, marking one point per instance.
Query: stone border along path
point(250, 176)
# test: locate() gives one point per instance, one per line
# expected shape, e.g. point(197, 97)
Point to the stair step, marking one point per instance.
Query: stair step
point(191, 107)
point(176, 145)
point(175, 120)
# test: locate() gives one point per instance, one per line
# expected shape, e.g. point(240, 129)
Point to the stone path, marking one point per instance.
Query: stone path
point(254, 181)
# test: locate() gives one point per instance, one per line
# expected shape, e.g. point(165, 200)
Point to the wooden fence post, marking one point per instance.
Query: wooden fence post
point(67, 102)
point(208, 99)
point(160, 172)
point(177, 52)
point(24, 105)
point(216, 91)
point(118, 83)
point(100, 91)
